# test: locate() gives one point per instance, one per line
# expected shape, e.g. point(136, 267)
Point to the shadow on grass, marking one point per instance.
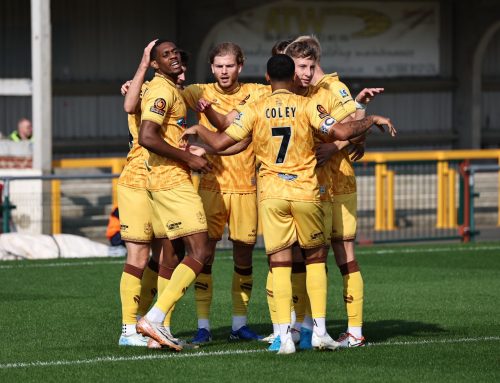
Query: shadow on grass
point(383, 330)
point(377, 331)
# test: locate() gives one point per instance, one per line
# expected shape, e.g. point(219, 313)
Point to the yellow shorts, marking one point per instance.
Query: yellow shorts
point(344, 217)
point(284, 222)
point(327, 207)
point(179, 210)
point(137, 223)
point(239, 211)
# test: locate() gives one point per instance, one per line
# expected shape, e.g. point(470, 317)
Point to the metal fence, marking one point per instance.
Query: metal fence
point(402, 196)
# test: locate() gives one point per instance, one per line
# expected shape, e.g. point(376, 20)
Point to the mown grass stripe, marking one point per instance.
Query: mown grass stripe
point(361, 250)
point(114, 359)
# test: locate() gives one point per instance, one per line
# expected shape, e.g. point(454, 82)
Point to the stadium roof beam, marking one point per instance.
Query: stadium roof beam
point(41, 73)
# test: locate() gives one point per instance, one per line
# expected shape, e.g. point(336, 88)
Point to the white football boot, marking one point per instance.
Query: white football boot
point(287, 347)
point(324, 342)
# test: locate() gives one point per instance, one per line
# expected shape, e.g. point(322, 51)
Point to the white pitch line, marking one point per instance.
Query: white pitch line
point(436, 250)
point(163, 356)
point(228, 257)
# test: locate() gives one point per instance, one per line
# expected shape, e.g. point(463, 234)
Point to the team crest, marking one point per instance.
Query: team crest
point(148, 229)
point(244, 101)
point(201, 217)
point(159, 106)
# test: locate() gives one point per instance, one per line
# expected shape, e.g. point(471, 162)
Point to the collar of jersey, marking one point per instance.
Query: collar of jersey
point(333, 75)
point(220, 90)
point(165, 78)
point(285, 91)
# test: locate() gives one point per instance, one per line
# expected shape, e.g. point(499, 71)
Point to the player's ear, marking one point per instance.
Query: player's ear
point(213, 70)
point(268, 79)
point(154, 64)
point(240, 67)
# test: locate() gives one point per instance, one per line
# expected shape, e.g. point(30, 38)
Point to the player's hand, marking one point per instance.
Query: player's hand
point(357, 151)
point(368, 94)
point(125, 87)
point(146, 55)
point(199, 164)
point(202, 105)
point(380, 121)
point(191, 131)
point(196, 150)
point(359, 139)
point(324, 152)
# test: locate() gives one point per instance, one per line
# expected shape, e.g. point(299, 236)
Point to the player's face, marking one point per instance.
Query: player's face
point(226, 71)
point(304, 71)
point(168, 59)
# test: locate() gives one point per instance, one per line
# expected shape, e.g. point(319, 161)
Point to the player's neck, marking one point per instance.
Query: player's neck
point(318, 74)
point(277, 85)
point(171, 77)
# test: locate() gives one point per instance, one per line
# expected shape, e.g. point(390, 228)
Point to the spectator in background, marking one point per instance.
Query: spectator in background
point(113, 229)
point(24, 131)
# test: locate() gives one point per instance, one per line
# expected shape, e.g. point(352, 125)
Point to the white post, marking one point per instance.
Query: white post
point(41, 73)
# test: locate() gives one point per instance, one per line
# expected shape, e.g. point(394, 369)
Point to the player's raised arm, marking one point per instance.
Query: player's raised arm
point(132, 94)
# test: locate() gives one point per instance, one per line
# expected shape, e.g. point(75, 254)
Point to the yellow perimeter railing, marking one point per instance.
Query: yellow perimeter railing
point(446, 181)
point(384, 182)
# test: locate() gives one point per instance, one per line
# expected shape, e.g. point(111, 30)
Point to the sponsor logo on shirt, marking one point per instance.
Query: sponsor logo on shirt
point(287, 177)
point(182, 122)
point(343, 93)
point(159, 107)
point(244, 101)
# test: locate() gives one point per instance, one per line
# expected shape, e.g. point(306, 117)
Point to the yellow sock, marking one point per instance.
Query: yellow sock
point(203, 292)
point(317, 288)
point(149, 287)
point(241, 289)
point(282, 291)
point(299, 290)
point(353, 298)
point(163, 280)
point(182, 277)
point(270, 298)
point(130, 290)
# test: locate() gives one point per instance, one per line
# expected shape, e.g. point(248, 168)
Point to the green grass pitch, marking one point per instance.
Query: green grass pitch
point(432, 313)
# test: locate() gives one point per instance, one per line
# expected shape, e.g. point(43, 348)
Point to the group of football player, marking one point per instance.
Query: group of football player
point(279, 155)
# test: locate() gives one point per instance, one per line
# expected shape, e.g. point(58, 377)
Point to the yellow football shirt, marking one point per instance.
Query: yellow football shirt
point(134, 173)
point(163, 104)
point(338, 112)
point(281, 126)
point(230, 174)
point(342, 170)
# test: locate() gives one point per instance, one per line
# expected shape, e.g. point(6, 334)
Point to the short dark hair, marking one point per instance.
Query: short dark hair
point(224, 49)
point(280, 67)
point(280, 46)
point(154, 50)
point(184, 57)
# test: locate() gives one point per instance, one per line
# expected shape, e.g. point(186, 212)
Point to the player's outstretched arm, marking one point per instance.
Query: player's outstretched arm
point(346, 130)
point(231, 151)
point(219, 120)
point(132, 94)
point(219, 141)
point(150, 138)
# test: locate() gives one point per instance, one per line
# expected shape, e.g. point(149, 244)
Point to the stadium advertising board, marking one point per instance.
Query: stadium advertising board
point(359, 39)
